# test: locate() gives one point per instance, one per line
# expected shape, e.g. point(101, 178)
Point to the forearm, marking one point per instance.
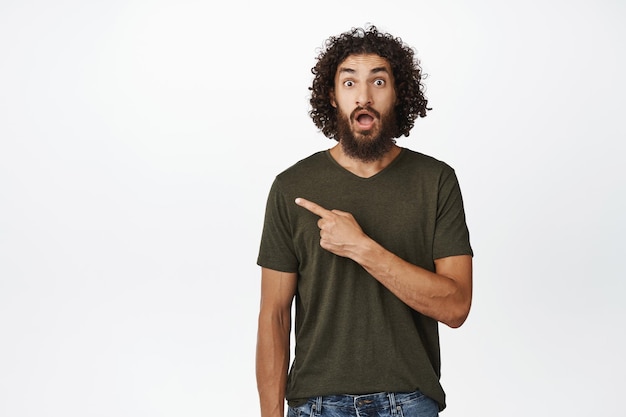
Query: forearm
point(272, 362)
point(444, 296)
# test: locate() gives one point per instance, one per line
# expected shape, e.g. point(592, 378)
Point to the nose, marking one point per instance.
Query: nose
point(364, 96)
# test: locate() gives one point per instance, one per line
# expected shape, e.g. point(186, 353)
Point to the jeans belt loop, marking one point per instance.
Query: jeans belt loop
point(392, 403)
point(318, 406)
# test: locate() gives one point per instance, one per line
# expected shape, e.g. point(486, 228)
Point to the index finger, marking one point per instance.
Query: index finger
point(312, 207)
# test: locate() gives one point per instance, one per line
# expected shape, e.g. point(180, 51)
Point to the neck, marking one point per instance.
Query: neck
point(361, 168)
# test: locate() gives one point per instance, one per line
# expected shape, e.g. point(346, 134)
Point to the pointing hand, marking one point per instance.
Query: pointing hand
point(339, 231)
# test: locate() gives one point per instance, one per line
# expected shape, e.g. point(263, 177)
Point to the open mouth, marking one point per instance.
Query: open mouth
point(364, 119)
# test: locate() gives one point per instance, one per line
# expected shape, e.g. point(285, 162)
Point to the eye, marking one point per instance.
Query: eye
point(379, 82)
point(348, 83)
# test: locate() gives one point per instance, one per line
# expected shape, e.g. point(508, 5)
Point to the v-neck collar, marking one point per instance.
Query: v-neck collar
point(355, 176)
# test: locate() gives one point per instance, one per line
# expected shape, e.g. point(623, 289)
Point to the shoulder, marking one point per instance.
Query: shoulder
point(313, 161)
point(305, 171)
point(424, 164)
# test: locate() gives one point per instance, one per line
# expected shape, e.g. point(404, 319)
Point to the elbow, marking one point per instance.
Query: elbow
point(457, 316)
point(455, 322)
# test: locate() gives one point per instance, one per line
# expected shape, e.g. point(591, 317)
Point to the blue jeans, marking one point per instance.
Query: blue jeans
point(412, 404)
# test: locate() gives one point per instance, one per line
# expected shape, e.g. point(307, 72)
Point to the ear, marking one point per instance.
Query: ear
point(331, 95)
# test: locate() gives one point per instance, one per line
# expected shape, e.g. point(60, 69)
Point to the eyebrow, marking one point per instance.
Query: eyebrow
point(373, 71)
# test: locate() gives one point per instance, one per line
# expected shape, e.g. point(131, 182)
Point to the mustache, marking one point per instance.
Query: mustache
point(367, 109)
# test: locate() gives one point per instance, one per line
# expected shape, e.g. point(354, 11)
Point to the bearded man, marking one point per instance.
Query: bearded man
point(371, 242)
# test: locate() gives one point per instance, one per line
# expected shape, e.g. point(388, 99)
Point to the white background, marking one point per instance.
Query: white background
point(138, 140)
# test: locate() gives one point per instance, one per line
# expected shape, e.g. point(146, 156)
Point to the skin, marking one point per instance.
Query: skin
point(444, 295)
point(364, 82)
point(272, 357)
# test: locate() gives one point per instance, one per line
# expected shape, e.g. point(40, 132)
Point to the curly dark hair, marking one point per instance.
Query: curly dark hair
point(406, 69)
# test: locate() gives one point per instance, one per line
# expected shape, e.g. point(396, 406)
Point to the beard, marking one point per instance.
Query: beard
point(367, 145)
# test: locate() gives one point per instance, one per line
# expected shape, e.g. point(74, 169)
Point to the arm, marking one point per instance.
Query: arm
point(444, 295)
point(272, 353)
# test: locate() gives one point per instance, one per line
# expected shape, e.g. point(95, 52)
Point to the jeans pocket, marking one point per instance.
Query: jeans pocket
point(420, 406)
point(303, 410)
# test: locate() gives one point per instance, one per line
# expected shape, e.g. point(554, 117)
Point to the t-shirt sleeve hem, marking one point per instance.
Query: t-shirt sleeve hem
point(460, 252)
point(276, 266)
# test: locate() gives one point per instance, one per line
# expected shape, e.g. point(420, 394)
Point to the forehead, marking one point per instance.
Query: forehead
point(363, 63)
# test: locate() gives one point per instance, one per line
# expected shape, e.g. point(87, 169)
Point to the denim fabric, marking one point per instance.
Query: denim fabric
point(414, 404)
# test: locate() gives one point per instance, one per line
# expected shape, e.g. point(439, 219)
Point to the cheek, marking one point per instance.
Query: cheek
point(388, 102)
point(340, 102)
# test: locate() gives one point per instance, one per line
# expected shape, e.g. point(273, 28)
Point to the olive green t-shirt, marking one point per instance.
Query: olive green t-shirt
point(353, 336)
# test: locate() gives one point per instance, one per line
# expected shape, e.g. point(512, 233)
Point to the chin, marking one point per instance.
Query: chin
point(367, 135)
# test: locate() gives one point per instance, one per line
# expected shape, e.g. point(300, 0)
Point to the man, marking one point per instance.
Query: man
point(370, 240)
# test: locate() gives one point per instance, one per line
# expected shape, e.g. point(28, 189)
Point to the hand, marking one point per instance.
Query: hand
point(339, 231)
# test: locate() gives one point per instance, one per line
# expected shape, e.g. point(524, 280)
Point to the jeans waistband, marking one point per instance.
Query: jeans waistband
point(376, 401)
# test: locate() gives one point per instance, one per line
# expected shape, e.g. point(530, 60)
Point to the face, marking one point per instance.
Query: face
point(365, 97)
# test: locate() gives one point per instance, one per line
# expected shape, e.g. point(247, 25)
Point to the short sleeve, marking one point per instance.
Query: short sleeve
point(451, 232)
point(277, 249)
